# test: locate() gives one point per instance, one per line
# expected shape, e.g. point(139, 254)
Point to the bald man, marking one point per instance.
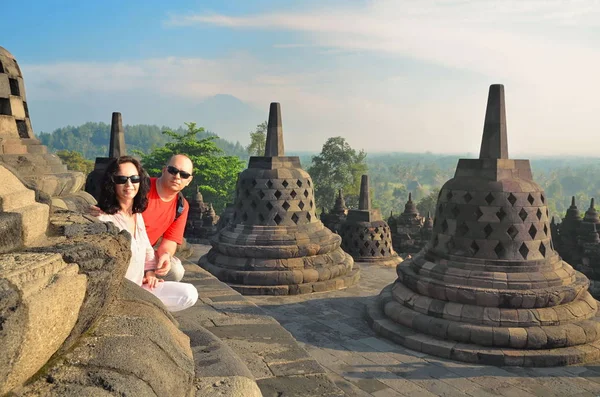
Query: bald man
point(167, 214)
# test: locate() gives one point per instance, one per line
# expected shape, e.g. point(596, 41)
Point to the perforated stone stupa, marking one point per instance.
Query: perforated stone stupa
point(489, 287)
point(19, 147)
point(275, 244)
point(365, 235)
point(116, 148)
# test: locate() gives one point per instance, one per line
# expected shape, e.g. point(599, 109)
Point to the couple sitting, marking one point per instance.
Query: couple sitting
point(150, 208)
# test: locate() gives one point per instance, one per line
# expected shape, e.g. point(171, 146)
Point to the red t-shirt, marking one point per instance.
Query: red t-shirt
point(160, 220)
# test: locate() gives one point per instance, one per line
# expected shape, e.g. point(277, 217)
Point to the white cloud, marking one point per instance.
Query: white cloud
point(537, 48)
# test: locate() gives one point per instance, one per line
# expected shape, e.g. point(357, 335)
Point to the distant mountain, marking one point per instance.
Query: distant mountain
point(224, 115)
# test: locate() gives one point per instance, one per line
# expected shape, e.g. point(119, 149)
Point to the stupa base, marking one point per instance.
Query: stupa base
point(388, 261)
point(472, 353)
point(337, 283)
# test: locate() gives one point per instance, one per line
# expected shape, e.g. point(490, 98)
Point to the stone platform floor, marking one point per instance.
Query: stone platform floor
point(331, 326)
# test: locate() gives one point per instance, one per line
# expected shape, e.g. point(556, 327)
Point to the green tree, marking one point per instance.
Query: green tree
point(75, 161)
point(214, 173)
point(427, 203)
point(338, 166)
point(258, 139)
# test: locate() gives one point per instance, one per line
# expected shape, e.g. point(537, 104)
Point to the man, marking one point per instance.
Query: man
point(166, 216)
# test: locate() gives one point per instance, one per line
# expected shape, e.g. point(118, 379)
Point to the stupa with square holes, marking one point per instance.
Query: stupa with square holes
point(275, 244)
point(365, 235)
point(489, 287)
point(19, 148)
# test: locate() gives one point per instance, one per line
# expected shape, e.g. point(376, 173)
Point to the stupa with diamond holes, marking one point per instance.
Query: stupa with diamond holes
point(275, 244)
point(489, 287)
point(19, 148)
point(365, 235)
point(116, 148)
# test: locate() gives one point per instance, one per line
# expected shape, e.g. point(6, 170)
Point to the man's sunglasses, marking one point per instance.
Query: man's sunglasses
point(174, 171)
point(122, 179)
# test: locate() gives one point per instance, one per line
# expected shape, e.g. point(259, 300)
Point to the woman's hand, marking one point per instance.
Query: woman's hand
point(151, 280)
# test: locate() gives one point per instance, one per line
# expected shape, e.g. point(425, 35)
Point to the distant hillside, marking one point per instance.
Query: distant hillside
point(227, 116)
point(91, 139)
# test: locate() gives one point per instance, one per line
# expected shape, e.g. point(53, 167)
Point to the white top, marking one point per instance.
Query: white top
point(142, 253)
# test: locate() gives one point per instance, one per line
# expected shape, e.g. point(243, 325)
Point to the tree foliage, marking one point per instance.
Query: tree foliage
point(428, 203)
point(215, 174)
point(75, 161)
point(258, 140)
point(338, 166)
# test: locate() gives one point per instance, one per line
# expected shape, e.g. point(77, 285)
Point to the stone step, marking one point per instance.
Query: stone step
point(35, 219)
point(17, 198)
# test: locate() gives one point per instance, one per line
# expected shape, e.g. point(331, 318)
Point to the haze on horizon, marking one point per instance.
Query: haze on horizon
point(387, 75)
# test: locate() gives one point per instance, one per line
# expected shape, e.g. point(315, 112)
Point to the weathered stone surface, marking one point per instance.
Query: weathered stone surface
point(492, 262)
point(274, 244)
point(134, 349)
point(104, 259)
point(41, 297)
point(233, 386)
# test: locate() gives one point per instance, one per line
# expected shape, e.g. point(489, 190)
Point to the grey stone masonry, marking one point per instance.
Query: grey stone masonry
point(365, 235)
point(489, 286)
point(275, 244)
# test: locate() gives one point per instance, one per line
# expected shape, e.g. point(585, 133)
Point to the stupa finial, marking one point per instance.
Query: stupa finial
point(572, 201)
point(274, 144)
point(364, 202)
point(592, 203)
point(494, 144)
point(117, 137)
point(409, 196)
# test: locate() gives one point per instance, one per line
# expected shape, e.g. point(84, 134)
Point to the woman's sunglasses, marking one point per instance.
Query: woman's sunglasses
point(174, 171)
point(122, 179)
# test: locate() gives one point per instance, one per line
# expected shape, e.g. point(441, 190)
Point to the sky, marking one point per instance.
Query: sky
point(387, 75)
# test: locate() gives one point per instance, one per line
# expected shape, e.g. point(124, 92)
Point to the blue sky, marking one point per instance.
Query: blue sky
point(388, 75)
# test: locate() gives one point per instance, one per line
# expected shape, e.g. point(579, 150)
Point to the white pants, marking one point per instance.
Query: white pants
point(175, 296)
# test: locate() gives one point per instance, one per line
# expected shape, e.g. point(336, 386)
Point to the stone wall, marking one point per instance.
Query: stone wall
point(71, 324)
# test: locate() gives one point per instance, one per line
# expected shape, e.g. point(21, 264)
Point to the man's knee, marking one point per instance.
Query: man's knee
point(177, 271)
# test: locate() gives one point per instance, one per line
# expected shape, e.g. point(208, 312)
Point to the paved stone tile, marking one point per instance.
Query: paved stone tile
point(387, 393)
point(355, 355)
point(371, 385)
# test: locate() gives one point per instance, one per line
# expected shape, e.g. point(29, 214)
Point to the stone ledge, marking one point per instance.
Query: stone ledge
point(262, 351)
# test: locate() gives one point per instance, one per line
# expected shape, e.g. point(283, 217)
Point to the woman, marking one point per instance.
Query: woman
point(123, 198)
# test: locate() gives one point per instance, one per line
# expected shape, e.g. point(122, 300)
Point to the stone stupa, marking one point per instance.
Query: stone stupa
point(275, 244)
point(336, 217)
point(116, 148)
point(365, 235)
point(489, 287)
point(19, 148)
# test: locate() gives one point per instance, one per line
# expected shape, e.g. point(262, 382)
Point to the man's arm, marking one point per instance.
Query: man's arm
point(165, 251)
point(168, 245)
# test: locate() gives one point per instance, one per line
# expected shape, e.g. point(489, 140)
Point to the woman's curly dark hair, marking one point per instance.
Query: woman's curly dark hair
point(108, 198)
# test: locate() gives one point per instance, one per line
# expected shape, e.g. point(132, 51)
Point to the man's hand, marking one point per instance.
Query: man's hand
point(95, 211)
point(163, 264)
point(151, 280)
